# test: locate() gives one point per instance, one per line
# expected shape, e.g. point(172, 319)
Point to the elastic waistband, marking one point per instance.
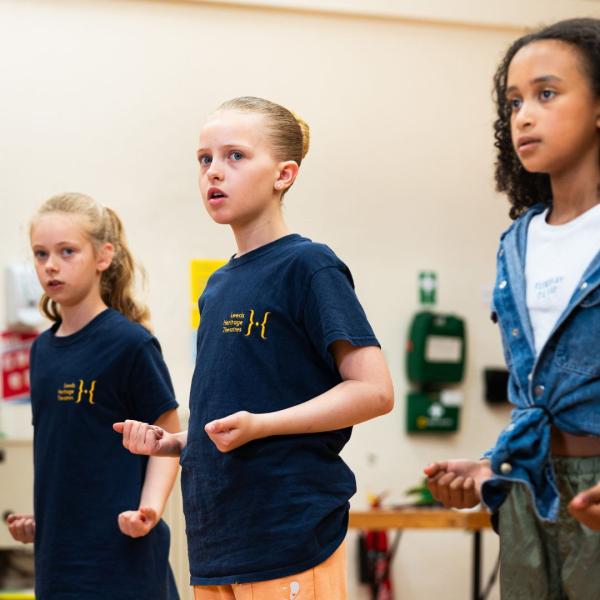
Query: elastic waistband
point(576, 465)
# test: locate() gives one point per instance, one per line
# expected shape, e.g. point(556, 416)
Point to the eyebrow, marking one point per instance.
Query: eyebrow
point(541, 79)
point(64, 243)
point(225, 147)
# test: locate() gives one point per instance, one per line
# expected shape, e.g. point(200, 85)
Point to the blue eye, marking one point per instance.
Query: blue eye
point(205, 160)
point(40, 254)
point(547, 94)
point(67, 251)
point(235, 155)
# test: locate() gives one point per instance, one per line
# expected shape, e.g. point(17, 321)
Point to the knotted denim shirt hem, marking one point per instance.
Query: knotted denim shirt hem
point(560, 386)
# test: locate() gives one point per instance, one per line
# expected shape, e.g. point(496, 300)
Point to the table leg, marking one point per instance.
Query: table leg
point(476, 566)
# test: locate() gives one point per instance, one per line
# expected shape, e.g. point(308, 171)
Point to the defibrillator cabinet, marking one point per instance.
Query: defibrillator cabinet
point(436, 349)
point(435, 363)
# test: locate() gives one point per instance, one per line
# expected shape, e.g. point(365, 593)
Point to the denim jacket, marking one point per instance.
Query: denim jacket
point(561, 386)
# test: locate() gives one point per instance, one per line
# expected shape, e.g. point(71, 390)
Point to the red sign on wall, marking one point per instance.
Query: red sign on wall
point(14, 354)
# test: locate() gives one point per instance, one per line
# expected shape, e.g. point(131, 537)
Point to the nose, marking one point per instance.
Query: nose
point(215, 171)
point(50, 265)
point(524, 117)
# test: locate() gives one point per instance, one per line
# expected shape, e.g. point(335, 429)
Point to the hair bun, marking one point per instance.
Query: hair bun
point(305, 129)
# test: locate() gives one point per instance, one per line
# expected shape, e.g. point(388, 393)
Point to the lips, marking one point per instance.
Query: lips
point(54, 284)
point(214, 195)
point(526, 142)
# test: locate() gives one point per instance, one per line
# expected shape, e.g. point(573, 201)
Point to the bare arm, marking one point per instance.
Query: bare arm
point(365, 392)
point(161, 472)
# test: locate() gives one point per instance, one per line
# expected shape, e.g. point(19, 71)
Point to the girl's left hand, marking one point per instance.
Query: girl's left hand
point(233, 431)
point(585, 507)
point(138, 523)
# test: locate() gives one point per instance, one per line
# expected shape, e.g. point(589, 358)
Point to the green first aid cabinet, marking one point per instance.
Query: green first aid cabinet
point(436, 349)
point(432, 412)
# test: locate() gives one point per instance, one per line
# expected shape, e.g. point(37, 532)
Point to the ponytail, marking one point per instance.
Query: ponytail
point(117, 282)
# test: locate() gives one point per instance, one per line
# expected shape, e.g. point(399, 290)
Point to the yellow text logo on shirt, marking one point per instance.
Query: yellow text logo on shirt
point(236, 323)
point(77, 392)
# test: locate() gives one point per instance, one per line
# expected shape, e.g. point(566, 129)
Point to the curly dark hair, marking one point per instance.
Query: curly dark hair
point(524, 188)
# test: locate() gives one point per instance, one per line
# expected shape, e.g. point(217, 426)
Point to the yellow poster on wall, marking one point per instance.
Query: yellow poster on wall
point(200, 270)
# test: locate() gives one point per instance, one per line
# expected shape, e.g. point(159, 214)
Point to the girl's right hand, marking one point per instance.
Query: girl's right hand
point(137, 523)
point(457, 483)
point(141, 438)
point(21, 527)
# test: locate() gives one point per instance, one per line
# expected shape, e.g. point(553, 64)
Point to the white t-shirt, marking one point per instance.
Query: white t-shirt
point(557, 256)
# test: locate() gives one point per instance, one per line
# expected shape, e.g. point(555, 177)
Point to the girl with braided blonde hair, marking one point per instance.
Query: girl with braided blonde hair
point(97, 508)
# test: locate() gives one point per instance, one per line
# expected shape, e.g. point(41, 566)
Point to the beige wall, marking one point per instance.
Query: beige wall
point(497, 13)
point(107, 98)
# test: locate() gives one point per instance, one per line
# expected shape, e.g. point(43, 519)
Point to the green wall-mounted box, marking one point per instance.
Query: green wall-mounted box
point(432, 412)
point(436, 349)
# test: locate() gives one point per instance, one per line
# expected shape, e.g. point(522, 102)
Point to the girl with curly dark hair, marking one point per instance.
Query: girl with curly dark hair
point(526, 186)
point(541, 477)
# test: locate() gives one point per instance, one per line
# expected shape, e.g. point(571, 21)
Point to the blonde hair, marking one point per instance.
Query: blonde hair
point(102, 225)
point(289, 134)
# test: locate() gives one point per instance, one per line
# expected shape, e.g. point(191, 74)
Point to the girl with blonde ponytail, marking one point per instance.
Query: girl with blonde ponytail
point(287, 363)
point(103, 226)
point(97, 508)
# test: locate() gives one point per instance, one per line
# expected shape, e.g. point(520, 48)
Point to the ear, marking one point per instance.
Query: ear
point(286, 175)
point(105, 257)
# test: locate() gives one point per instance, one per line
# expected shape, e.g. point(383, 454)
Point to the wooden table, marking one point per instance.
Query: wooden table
point(430, 518)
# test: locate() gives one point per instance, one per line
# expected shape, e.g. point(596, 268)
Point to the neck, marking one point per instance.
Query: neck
point(575, 191)
point(74, 318)
point(250, 236)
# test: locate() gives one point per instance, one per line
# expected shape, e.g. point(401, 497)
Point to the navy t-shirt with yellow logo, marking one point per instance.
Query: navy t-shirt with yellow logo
point(278, 505)
point(110, 370)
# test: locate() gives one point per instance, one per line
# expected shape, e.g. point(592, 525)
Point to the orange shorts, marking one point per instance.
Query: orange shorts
point(326, 581)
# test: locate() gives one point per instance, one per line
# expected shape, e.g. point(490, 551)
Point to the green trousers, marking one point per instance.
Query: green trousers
point(550, 561)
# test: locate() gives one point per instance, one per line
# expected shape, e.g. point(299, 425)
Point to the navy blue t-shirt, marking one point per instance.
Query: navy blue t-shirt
point(279, 505)
point(110, 370)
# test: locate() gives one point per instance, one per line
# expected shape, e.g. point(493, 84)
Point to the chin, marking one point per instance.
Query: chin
point(53, 297)
point(534, 166)
point(223, 215)
point(221, 219)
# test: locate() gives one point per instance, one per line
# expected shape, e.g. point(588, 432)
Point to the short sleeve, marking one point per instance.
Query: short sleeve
point(150, 390)
point(333, 312)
